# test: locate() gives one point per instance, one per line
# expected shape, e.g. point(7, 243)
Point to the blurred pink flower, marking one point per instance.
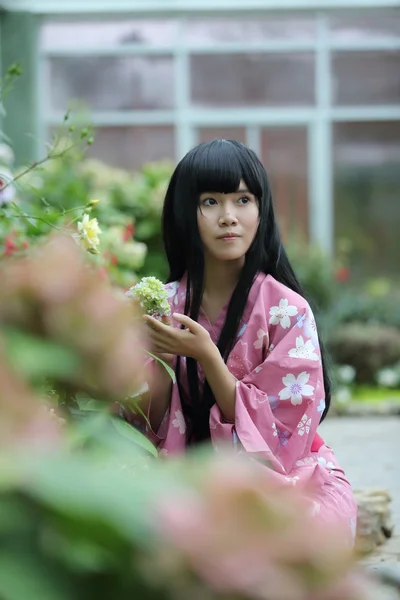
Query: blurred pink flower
point(242, 533)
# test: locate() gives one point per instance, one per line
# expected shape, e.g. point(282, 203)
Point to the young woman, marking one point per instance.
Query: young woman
point(250, 370)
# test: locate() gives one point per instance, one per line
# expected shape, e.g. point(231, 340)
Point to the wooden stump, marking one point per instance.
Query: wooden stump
point(374, 524)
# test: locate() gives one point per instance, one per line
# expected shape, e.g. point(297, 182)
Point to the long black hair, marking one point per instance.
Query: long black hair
point(219, 166)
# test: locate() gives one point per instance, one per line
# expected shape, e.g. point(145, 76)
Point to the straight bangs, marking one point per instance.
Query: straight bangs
point(220, 165)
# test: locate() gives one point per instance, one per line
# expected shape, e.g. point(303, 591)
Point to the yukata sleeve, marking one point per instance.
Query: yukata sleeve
point(279, 402)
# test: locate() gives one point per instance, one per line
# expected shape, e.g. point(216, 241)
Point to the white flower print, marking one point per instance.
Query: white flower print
point(296, 388)
point(304, 425)
point(172, 291)
point(292, 480)
point(172, 288)
point(163, 452)
point(262, 337)
point(303, 350)
point(275, 434)
point(280, 315)
point(321, 406)
point(309, 460)
point(328, 465)
point(179, 422)
point(310, 328)
point(239, 363)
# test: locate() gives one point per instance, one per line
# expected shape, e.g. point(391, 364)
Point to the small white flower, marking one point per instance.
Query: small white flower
point(389, 378)
point(6, 155)
point(88, 233)
point(343, 395)
point(281, 314)
point(163, 452)
point(7, 190)
point(321, 405)
point(328, 465)
point(296, 388)
point(304, 425)
point(303, 350)
point(262, 336)
point(275, 434)
point(179, 422)
point(346, 374)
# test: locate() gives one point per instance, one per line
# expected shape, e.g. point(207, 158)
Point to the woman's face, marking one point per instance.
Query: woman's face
point(228, 223)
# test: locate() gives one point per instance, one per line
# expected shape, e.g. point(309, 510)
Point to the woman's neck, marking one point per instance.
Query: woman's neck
point(220, 278)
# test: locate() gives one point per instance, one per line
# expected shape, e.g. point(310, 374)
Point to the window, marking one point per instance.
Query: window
point(367, 192)
point(362, 78)
point(132, 147)
point(250, 30)
point(284, 153)
point(365, 26)
point(252, 79)
point(111, 83)
point(86, 34)
point(206, 134)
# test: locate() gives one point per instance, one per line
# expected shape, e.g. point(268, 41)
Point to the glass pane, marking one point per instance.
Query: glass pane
point(366, 25)
point(112, 83)
point(252, 79)
point(367, 77)
point(206, 134)
point(132, 147)
point(83, 34)
point(221, 31)
point(367, 192)
point(284, 153)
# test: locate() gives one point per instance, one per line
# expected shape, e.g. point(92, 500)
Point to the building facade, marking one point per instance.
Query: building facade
point(313, 87)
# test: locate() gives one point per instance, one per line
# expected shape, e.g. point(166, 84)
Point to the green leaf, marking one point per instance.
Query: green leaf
point(134, 436)
point(26, 576)
point(37, 358)
point(170, 371)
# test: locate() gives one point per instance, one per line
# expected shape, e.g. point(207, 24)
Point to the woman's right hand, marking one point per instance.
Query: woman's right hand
point(167, 358)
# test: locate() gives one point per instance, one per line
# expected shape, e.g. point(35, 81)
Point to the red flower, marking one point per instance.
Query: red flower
point(342, 274)
point(114, 260)
point(128, 233)
point(9, 246)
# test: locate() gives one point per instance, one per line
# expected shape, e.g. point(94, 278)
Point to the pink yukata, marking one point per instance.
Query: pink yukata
point(280, 398)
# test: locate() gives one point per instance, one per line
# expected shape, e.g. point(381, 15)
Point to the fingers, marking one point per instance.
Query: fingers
point(155, 324)
point(167, 320)
point(186, 321)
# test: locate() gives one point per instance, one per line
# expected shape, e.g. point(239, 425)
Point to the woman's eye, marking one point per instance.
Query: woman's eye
point(244, 200)
point(209, 202)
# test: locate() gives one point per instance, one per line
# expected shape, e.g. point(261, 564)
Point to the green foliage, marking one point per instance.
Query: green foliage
point(315, 271)
point(128, 211)
point(366, 347)
point(358, 305)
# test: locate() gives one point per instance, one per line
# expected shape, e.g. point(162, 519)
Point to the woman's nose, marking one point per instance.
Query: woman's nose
point(228, 218)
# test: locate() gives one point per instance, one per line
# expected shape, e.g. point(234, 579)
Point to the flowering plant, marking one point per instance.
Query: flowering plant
point(152, 296)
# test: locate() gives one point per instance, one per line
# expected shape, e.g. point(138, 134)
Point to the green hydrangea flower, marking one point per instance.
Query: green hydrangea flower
point(152, 296)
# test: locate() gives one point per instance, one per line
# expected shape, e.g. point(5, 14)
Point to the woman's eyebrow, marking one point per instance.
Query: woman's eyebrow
point(240, 191)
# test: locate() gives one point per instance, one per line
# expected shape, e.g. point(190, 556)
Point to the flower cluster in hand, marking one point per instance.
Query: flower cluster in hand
point(152, 297)
point(88, 233)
